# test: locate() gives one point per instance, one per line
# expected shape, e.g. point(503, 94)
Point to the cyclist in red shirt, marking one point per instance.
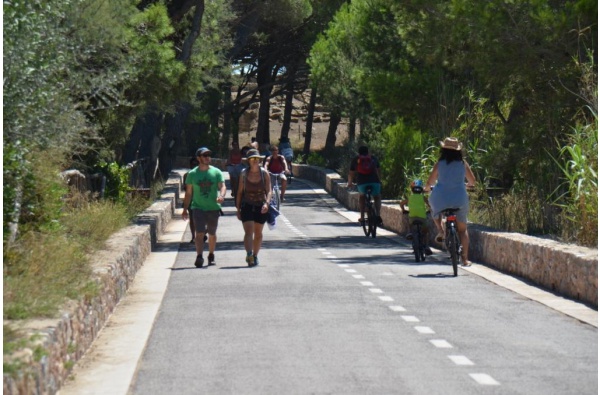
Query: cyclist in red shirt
point(277, 164)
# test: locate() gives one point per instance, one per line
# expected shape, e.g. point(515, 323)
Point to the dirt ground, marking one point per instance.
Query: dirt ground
point(298, 126)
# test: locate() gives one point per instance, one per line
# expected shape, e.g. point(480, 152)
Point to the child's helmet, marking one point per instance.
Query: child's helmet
point(416, 186)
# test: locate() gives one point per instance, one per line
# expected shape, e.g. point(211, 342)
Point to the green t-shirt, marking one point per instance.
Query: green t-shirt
point(205, 188)
point(416, 206)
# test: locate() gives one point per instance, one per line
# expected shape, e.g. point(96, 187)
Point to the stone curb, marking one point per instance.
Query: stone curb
point(569, 270)
point(64, 341)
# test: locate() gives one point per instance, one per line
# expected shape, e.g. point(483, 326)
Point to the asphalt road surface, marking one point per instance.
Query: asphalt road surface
point(330, 311)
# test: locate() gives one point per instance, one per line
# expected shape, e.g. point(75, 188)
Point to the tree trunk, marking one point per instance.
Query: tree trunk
point(227, 119)
point(352, 129)
point(264, 79)
point(287, 112)
point(334, 121)
point(309, 121)
point(186, 51)
point(145, 128)
point(172, 138)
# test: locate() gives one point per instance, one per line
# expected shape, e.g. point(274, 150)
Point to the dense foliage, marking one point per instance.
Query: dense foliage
point(516, 81)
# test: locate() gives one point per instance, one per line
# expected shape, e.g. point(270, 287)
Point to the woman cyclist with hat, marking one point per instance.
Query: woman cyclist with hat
point(448, 177)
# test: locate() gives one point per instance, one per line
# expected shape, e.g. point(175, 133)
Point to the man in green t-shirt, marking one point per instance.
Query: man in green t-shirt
point(205, 190)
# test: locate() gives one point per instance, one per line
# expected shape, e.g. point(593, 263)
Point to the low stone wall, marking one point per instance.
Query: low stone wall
point(569, 270)
point(57, 344)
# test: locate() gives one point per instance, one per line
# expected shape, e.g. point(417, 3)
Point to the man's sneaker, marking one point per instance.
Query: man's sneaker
point(211, 259)
point(428, 251)
point(249, 259)
point(199, 261)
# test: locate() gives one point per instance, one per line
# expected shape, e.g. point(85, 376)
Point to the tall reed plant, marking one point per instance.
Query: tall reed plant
point(578, 162)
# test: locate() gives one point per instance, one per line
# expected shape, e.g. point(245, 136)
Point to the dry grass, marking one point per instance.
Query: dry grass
point(42, 269)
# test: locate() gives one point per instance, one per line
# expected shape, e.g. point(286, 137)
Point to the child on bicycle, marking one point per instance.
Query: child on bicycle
point(418, 207)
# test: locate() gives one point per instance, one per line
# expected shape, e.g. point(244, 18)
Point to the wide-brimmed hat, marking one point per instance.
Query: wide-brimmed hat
point(451, 143)
point(253, 153)
point(203, 150)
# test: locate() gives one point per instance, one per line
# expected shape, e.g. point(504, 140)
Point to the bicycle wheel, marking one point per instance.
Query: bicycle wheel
point(365, 225)
point(276, 198)
point(372, 222)
point(421, 246)
point(452, 239)
point(416, 242)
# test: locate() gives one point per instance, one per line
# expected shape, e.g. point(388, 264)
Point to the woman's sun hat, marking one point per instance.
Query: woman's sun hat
point(253, 153)
point(451, 143)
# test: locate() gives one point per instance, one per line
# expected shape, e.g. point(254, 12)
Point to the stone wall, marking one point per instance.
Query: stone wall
point(64, 340)
point(569, 270)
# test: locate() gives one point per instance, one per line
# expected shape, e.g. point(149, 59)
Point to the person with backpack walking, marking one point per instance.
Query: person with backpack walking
point(277, 166)
point(252, 203)
point(364, 168)
point(204, 193)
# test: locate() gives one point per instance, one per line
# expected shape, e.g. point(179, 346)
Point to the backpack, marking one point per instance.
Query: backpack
point(262, 179)
point(365, 164)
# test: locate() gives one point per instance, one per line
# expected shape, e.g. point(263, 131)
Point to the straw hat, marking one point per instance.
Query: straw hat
point(451, 143)
point(253, 154)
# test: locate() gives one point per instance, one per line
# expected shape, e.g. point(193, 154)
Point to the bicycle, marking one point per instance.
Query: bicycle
point(418, 242)
point(369, 225)
point(276, 197)
point(452, 240)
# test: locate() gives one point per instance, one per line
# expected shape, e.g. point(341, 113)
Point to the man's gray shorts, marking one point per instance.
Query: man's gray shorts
point(206, 221)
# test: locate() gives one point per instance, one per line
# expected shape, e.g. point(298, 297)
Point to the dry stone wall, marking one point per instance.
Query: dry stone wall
point(56, 344)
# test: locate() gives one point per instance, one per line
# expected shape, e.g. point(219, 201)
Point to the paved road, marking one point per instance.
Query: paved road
point(329, 311)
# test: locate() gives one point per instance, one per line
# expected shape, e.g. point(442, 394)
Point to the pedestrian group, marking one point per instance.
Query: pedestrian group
point(205, 191)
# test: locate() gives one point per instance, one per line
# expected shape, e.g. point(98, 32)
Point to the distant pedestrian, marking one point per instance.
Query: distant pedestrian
point(252, 202)
point(205, 190)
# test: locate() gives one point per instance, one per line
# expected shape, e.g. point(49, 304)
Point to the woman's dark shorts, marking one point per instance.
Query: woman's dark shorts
point(252, 213)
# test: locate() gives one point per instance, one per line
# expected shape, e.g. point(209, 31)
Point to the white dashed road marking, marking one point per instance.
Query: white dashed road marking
point(424, 330)
point(460, 360)
point(410, 318)
point(484, 379)
point(439, 343)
